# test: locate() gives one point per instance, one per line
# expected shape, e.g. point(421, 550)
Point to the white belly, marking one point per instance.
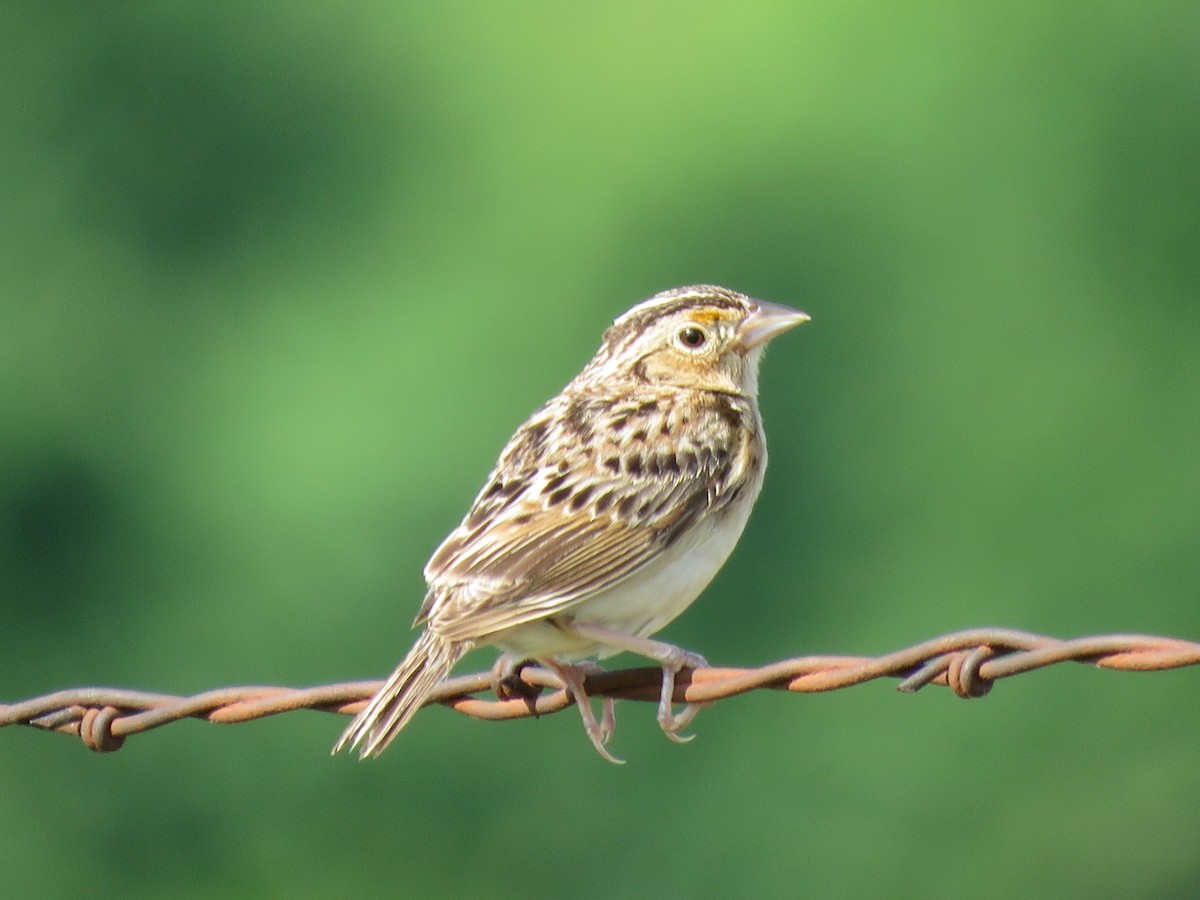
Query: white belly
point(645, 601)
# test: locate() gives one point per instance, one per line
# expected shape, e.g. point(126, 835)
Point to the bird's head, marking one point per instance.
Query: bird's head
point(703, 337)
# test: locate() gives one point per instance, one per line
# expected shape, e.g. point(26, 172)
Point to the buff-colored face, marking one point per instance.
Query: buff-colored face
point(696, 348)
point(706, 340)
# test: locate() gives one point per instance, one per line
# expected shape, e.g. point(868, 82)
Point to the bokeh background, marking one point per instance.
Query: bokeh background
point(278, 280)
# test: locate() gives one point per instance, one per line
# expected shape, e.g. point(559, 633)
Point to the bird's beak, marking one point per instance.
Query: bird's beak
point(767, 321)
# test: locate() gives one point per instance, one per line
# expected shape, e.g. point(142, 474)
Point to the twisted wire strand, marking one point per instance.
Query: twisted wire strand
point(968, 662)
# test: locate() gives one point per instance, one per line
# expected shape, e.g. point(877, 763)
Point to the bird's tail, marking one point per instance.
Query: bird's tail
point(428, 662)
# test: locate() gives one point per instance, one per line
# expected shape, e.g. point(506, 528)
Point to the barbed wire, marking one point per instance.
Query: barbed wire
point(968, 662)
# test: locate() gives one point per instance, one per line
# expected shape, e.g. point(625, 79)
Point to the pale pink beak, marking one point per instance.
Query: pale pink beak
point(768, 320)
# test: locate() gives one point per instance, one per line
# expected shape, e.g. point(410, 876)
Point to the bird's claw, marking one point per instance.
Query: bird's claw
point(508, 684)
point(599, 731)
point(671, 723)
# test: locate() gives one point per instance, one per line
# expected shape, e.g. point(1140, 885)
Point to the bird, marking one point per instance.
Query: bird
point(608, 512)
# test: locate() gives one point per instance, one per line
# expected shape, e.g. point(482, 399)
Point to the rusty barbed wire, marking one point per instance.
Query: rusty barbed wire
point(968, 662)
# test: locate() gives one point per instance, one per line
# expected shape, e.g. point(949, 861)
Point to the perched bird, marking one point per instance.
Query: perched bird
point(608, 513)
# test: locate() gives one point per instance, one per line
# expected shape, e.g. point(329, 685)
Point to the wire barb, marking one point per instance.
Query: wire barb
point(968, 662)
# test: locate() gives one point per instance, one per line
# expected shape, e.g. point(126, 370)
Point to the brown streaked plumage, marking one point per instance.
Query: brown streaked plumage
point(608, 512)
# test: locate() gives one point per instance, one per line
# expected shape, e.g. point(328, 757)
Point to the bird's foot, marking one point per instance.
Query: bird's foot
point(599, 731)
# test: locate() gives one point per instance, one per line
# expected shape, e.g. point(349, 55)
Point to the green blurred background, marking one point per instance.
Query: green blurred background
point(278, 281)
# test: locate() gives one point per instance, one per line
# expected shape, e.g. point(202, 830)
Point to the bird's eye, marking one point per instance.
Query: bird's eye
point(692, 338)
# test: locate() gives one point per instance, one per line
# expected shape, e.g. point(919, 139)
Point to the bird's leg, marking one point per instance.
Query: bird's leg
point(598, 732)
point(671, 658)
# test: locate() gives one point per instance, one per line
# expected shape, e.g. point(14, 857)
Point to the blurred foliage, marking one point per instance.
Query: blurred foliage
point(278, 280)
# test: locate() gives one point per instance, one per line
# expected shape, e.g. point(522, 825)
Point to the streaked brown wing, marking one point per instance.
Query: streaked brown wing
point(528, 569)
point(550, 529)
